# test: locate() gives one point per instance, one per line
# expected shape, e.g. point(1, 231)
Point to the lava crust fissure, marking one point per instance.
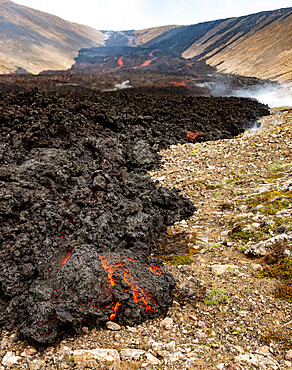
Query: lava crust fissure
point(78, 211)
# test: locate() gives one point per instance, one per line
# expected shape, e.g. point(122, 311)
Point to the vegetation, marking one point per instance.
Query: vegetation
point(177, 259)
point(216, 296)
point(283, 272)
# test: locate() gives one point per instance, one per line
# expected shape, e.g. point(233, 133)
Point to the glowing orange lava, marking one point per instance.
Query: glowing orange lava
point(115, 309)
point(156, 270)
point(64, 261)
point(182, 83)
point(192, 135)
point(120, 62)
point(139, 296)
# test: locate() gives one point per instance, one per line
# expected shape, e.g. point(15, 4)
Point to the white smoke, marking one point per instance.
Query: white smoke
point(123, 85)
point(273, 97)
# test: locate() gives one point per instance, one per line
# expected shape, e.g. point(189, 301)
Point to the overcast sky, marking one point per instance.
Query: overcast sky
point(139, 14)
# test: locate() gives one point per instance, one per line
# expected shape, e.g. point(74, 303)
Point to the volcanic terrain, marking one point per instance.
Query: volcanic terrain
point(79, 214)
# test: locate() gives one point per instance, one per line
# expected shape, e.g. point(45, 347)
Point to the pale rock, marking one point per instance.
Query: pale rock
point(167, 323)
point(4, 344)
point(221, 269)
point(131, 354)
point(112, 326)
point(229, 367)
point(162, 354)
point(288, 355)
point(261, 189)
point(256, 267)
point(259, 217)
point(152, 359)
point(200, 334)
point(200, 324)
point(157, 346)
point(284, 213)
point(102, 356)
point(265, 351)
point(264, 247)
point(288, 364)
point(258, 361)
point(288, 252)
point(170, 346)
point(65, 351)
point(36, 365)
point(243, 313)
point(174, 357)
point(29, 351)
point(10, 359)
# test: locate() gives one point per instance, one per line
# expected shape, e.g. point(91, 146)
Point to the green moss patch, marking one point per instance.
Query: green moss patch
point(177, 259)
point(271, 201)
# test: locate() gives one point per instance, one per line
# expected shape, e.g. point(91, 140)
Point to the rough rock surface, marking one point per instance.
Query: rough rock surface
point(250, 321)
point(271, 245)
point(78, 212)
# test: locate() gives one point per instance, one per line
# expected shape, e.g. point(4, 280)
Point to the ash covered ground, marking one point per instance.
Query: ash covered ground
point(79, 214)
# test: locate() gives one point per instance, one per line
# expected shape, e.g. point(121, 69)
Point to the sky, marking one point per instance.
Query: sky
point(120, 15)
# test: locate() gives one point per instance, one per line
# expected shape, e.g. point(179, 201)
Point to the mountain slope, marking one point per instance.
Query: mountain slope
point(255, 45)
point(37, 41)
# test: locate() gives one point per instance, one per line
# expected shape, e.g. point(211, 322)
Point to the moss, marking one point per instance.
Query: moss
point(279, 167)
point(214, 186)
point(271, 201)
point(238, 233)
point(234, 181)
point(275, 176)
point(177, 259)
point(216, 296)
point(281, 270)
point(284, 292)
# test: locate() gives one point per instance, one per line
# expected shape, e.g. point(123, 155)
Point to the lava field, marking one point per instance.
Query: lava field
point(79, 214)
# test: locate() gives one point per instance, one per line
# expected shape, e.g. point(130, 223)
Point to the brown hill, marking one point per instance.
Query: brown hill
point(255, 45)
point(37, 41)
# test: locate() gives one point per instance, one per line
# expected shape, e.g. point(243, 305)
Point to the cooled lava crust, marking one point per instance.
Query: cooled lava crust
point(78, 211)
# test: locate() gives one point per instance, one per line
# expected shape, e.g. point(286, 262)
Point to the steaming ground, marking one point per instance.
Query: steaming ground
point(273, 97)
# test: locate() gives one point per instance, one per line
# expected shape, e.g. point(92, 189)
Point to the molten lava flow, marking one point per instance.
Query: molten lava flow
point(115, 309)
point(109, 268)
point(192, 135)
point(146, 63)
point(139, 295)
point(182, 83)
point(155, 269)
point(120, 62)
point(176, 83)
point(64, 261)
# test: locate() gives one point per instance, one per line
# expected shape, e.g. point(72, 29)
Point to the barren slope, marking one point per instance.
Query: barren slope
point(255, 45)
point(38, 41)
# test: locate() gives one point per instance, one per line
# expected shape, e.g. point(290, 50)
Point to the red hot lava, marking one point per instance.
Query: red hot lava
point(192, 135)
point(120, 62)
point(64, 261)
point(141, 297)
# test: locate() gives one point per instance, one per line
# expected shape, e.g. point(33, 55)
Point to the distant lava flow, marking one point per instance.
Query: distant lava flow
point(147, 62)
point(182, 83)
point(120, 62)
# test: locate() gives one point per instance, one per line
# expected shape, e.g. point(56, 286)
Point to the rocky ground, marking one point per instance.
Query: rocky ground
point(224, 316)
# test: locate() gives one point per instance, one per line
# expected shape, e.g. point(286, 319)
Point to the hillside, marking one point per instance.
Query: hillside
point(256, 45)
point(37, 41)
